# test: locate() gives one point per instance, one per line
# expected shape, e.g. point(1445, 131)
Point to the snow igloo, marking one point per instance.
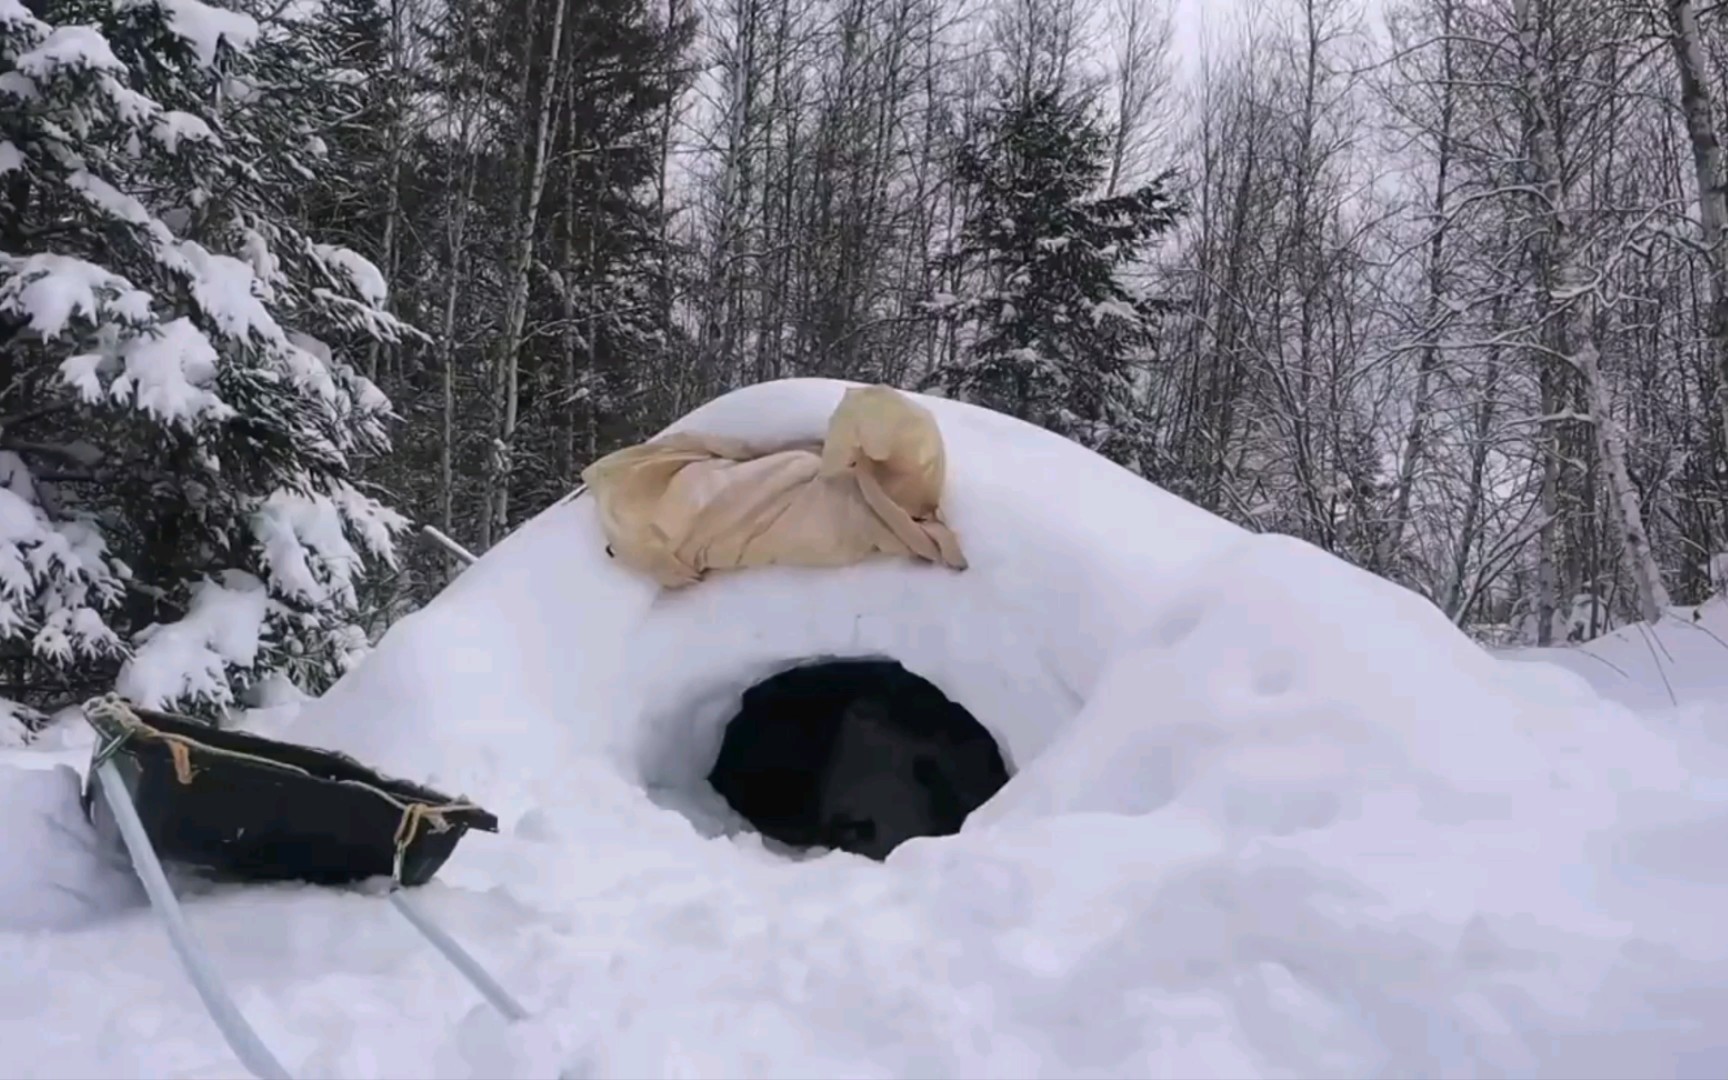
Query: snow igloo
point(756, 700)
point(1264, 814)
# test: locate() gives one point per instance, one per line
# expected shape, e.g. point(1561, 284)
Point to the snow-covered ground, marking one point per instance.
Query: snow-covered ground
point(1271, 816)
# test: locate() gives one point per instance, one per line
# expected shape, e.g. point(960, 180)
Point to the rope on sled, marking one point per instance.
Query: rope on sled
point(114, 709)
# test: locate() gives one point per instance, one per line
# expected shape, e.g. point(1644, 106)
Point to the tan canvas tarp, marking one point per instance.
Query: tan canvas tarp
point(681, 505)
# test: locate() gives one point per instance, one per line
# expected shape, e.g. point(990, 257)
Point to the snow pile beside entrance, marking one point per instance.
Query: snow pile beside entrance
point(1271, 817)
point(53, 873)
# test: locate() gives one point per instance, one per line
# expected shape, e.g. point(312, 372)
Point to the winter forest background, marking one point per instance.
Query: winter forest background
point(1437, 285)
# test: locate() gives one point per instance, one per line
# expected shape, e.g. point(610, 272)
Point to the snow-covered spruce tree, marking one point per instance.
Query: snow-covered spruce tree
point(175, 513)
point(1054, 334)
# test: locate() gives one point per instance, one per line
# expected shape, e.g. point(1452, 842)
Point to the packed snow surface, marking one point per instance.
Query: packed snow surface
point(1271, 816)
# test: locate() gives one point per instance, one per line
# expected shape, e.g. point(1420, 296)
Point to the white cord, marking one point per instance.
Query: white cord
point(471, 970)
point(245, 1043)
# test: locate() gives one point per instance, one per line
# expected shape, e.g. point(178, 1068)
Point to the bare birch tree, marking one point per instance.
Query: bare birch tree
point(1697, 104)
point(1572, 292)
point(506, 384)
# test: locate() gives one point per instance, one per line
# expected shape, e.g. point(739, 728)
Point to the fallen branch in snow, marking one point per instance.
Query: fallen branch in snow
point(437, 536)
point(1603, 660)
point(1650, 643)
point(1705, 630)
point(85, 454)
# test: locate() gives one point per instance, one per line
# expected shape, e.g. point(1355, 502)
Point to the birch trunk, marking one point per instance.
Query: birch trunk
point(1458, 597)
point(1700, 113)
point(1575, 295)
point(1548, 534)
point(590, 333)
point(447, 359)
point(568, 392)
point(1416, 434)
point(721, 354)
point(508, 372)
point(671, 370)
point(388, 261)
point(446, 348)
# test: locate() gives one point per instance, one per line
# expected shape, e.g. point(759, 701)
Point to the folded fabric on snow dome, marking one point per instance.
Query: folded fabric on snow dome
point(686, 503)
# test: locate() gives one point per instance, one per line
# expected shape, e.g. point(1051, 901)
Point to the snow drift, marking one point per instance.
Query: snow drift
point(1269, 816)
point(53, 873)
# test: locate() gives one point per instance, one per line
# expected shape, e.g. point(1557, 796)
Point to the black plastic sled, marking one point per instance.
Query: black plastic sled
point(242, 806)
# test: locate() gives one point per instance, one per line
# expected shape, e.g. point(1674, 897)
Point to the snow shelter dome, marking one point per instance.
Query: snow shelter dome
point(547, 674)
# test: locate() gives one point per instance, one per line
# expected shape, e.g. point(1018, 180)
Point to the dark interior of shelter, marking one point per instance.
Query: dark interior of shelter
point(855, 755)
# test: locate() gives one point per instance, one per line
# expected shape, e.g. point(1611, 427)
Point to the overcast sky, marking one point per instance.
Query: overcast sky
point(1192, 18)
point(1197, 21)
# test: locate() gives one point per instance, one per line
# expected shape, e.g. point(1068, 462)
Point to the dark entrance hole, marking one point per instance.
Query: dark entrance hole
point(859, 755)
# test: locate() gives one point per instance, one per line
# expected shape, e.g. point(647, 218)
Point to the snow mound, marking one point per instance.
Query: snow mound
point(1678, 662)
point(54, 875)
point(546, 652)
point(1271, 816)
